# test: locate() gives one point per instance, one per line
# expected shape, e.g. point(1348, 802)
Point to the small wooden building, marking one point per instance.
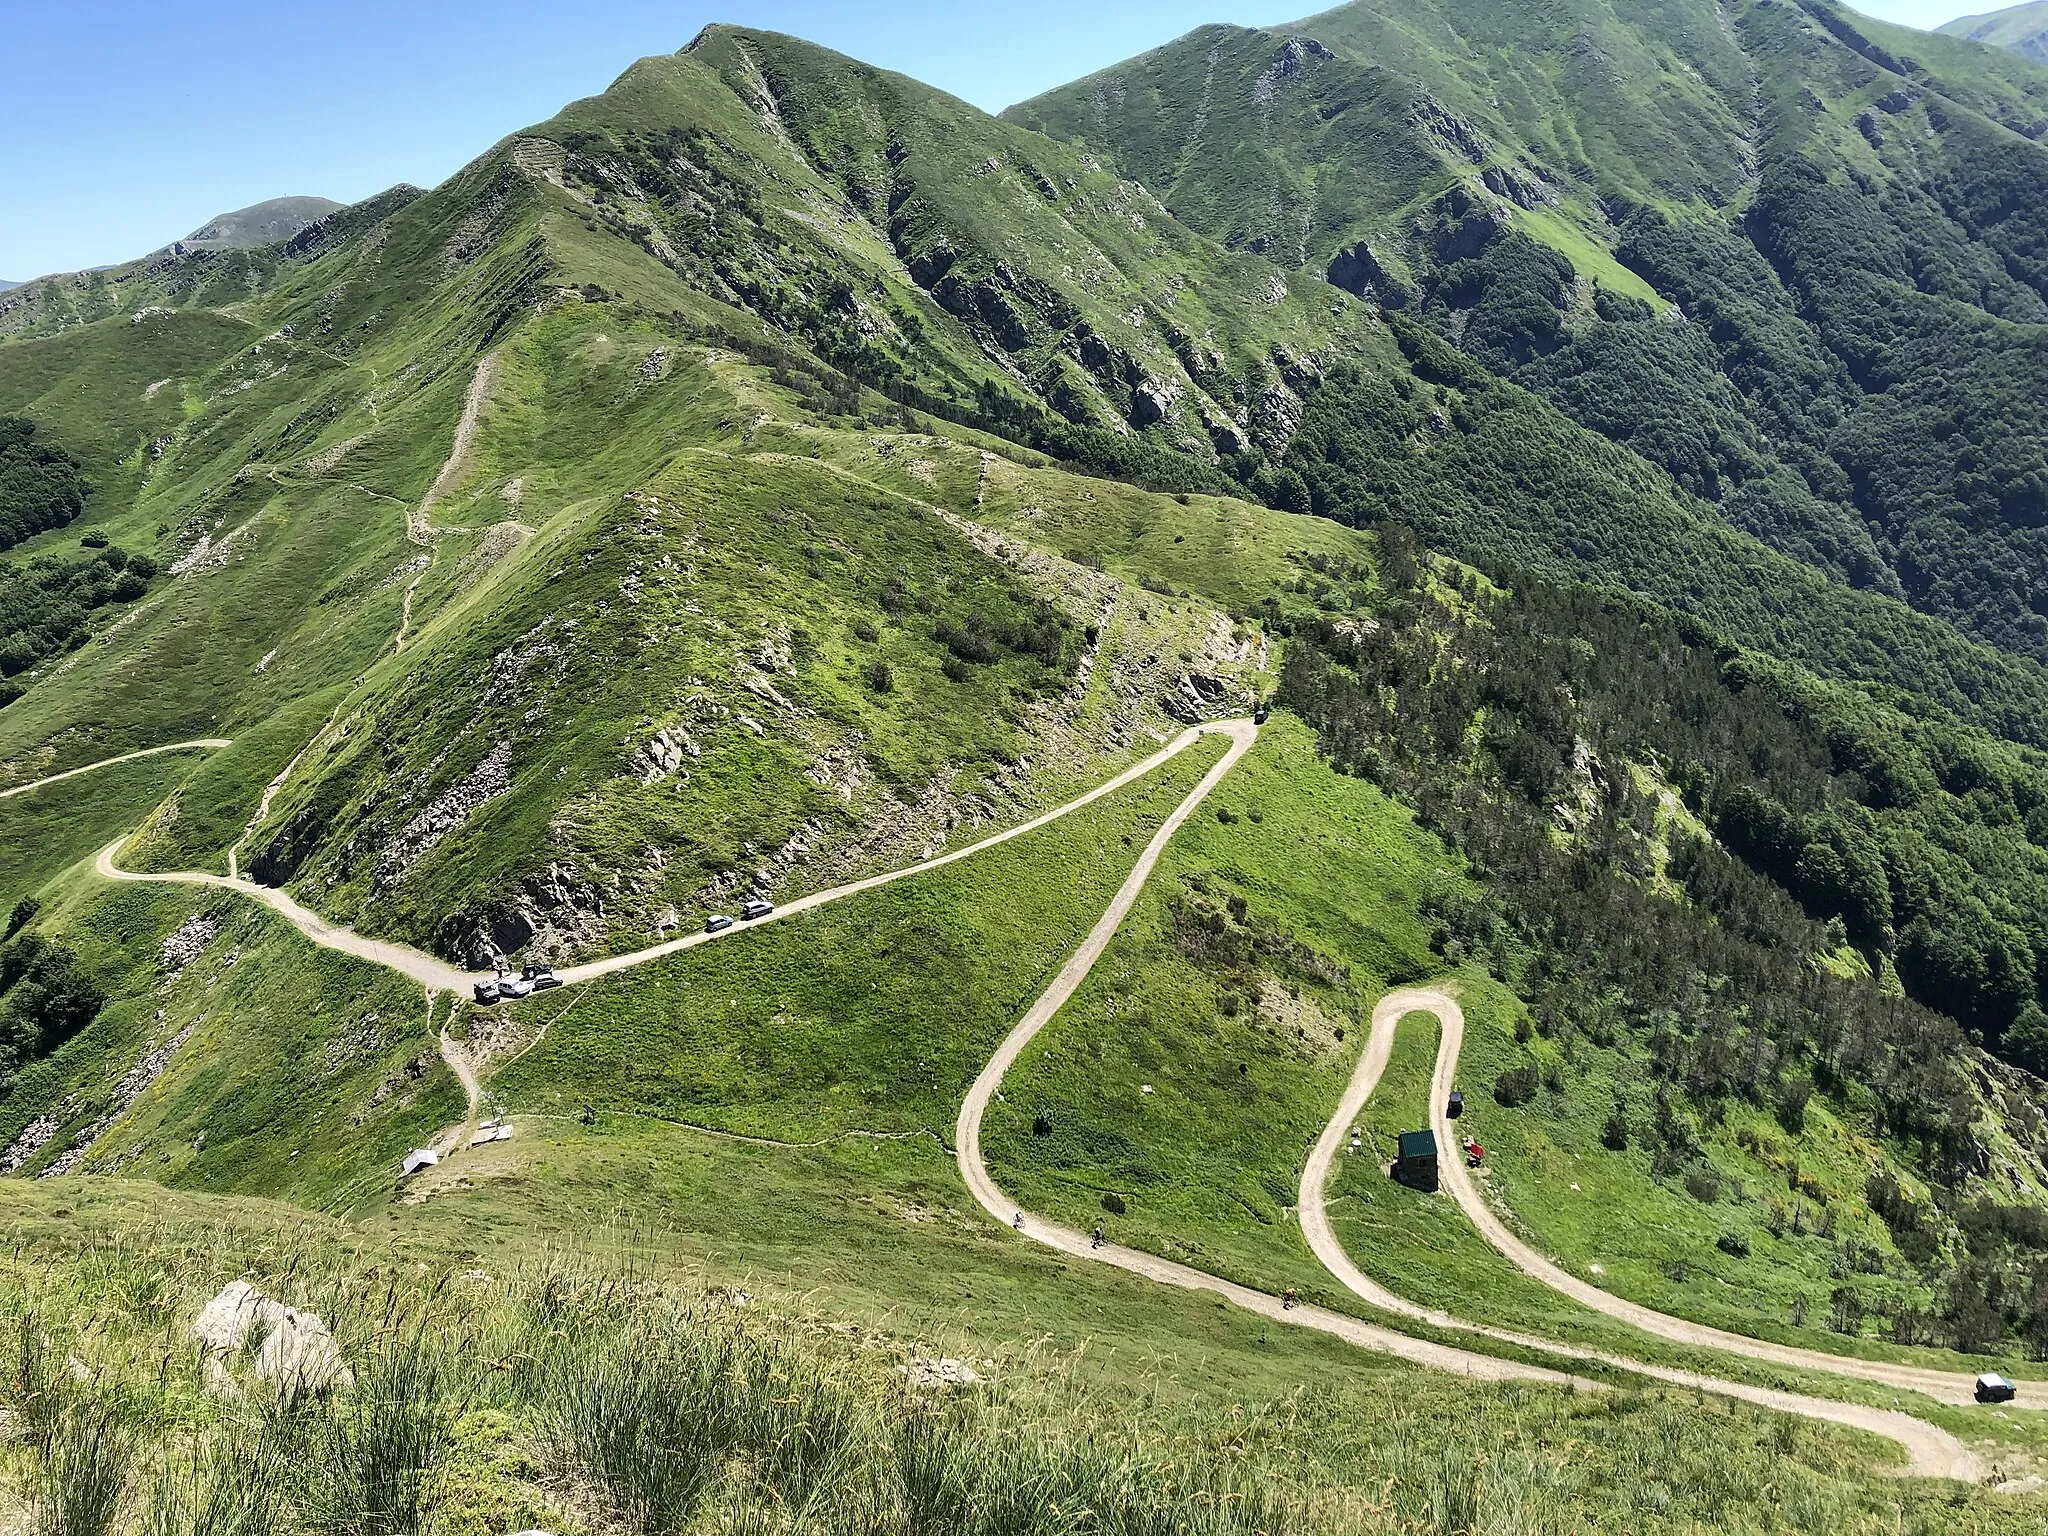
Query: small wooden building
point(1416, 1165)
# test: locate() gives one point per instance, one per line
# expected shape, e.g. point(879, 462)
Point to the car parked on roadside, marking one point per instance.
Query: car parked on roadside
point(756, 908)
point(1994, 1388)
point(486, 992)
point(514, 987)
point(717, 922)
point(542, 976)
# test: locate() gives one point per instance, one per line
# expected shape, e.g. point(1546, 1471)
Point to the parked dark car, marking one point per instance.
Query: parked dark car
point(717, 922)
point(486, 992)
point(542, 976)
point(1457, 1105)
point(756, 908)
point(1994, 1388)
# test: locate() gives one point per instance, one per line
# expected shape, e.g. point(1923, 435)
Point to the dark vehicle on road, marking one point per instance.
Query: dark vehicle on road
point(717, 922)
point(1994, 1388)
point(756, 908)
point(542, 976)
point(1457, 1105)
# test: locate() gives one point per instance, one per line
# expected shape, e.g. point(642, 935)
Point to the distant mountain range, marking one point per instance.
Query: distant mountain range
point(246, 229)
point(2023, 29)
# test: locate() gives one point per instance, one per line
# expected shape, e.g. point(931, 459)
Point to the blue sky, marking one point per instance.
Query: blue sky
point(126, 124)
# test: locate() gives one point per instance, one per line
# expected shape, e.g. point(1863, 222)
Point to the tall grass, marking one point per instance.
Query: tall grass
point(581, 1400)
point(84, 1469)
point(370, 1459)
point(230, 1484)
point(80, 1443)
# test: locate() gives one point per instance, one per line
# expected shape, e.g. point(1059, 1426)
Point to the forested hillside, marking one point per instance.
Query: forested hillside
point(1785, 254)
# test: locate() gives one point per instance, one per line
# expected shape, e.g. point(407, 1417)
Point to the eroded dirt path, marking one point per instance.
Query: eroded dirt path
point(203, 742)
point(1931, 1451)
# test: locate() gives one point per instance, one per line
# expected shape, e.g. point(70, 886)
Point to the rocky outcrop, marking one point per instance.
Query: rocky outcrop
point(1462, 225)
point(1297, 56)
point(1519, 187)
point(1449, 129)
point(295, 1353)
point(449, 810)
point(1357, 269)
point(126, 1092)
point(553, 914)
point(1153, 399)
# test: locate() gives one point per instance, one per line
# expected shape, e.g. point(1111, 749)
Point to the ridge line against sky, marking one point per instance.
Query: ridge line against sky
point(127, 133)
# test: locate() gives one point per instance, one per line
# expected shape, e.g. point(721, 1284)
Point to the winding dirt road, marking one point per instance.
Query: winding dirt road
point(438, 976)
point(108, 762)
point(974, 1170)
point(1944, 1386)
point(1931, 1452)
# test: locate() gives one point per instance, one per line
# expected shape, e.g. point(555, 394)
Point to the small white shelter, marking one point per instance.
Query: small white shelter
point(418, 1158)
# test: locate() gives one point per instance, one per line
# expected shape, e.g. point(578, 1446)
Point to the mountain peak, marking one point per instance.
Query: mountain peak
point(263, 223)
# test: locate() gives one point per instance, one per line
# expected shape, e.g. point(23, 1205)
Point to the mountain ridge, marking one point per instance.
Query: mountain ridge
point(1778, 411)
point(2021, 29)
point(771, 472)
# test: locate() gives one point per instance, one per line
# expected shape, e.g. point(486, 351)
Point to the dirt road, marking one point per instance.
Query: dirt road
point(1004, 1209)
point(435, 975)
point(1931, 1451)
point(108, 762)
point(439, 976)
point(1944, 1386)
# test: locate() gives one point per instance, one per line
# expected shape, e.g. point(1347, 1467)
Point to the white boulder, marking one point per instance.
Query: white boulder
point(294, 1350)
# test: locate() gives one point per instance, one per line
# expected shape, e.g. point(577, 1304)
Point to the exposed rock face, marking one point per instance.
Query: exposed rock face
point(295, 1352)
point(455, 805)
point(1465, 225)
point(1449, 129)
point(1519, 188)
point(1357, 270)
point(662, 756)
point(552, 914)
point(1297, 56)
point(1153, 399)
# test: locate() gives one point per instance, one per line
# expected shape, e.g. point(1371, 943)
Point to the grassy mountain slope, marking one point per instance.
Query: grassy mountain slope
point(1522, 177)
point(684, 500)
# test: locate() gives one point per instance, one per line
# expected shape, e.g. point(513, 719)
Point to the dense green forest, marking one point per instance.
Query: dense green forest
point(45, 999)
point(1795, 259)
point(41, 487)
point(1487, 471)
point(1885, 894)
point(47, 604)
